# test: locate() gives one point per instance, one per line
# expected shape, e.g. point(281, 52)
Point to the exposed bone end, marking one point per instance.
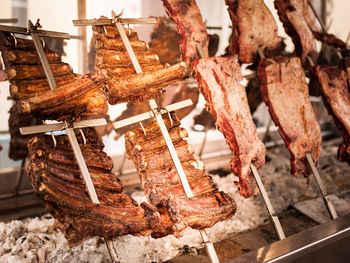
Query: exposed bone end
point(183, 133)
point(50, 156)
point(24, 107)
point(42, 187)
point(11, 56)
point(39, 153)
point(197, 164)
point(190, 149)
point(98, 44)
point(138, 147)
point(144, 165)
point(14, 89)
point(11, 73)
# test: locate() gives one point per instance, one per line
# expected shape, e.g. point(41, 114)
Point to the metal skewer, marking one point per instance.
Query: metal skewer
point(274, 218)
point(330, 207)
point(8, 20)
point(153, 105)
point(70, 132)
point(19, 177)
point(324, 28)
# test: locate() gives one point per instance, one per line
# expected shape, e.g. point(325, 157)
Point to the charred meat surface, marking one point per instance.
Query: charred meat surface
point(253, 27)
point(333, 83)
point(218, 79)
point(190, 26)
point(286, 94)
point(162, 184)
point(56, 178)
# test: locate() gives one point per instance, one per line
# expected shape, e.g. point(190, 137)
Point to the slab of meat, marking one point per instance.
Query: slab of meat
point(56, 179)
point(165, 41)
point(190, 26)
point(294, 14)
point(84, 97)
point(218, 79)
point(253, 27)
point(162, 185)
point(123, 83)
point(18, 143)
point(285, 92)
point(333, 83)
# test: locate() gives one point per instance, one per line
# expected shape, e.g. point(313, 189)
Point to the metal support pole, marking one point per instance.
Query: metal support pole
point(332, 212)
point(324, 28)
point(201, 150)
point(274, 218)
point(153, 105)
point(19, 177)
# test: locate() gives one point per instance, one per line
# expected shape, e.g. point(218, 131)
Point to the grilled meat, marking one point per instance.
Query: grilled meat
point(190, 26)
point(285, 92)
point(253, 27)
point(218, 79)
point(163, 187)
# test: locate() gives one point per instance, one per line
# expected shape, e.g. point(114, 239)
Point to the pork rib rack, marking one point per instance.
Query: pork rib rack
point(77, 96)
point(124, 84)
point(333, 83)
point(253, 27)
point(286, 94)
point(55, 176)
point(218, 79)
point(162, 184)
point(190, 26)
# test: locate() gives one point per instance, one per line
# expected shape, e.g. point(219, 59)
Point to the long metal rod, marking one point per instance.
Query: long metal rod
point(147, 115)
point(330, 207)
point(43, 60)
point(82, 165)
point(9, 20)
point(324, 28)
point(153, 104)
point(274, 218)
point(61, 126)
point(41, 33)
point(106, 22)
point(74, 142)
point(19, 177)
